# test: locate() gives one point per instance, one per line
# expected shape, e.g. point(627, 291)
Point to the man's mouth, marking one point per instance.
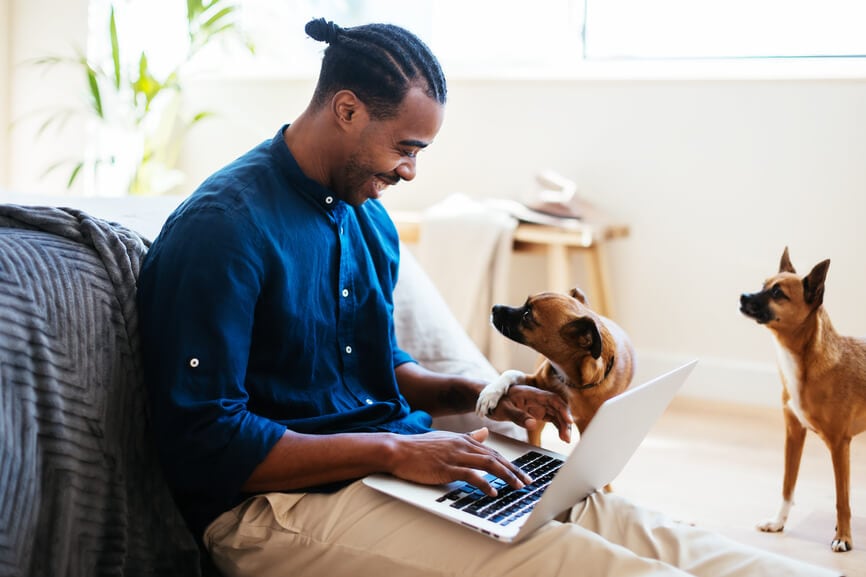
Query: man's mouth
point(380, 183)
point(388, 181)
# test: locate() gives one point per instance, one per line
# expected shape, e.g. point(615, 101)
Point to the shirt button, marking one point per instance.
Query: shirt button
point(345, 292)
point(329, 200)
point(349, 350)
point(193, 362)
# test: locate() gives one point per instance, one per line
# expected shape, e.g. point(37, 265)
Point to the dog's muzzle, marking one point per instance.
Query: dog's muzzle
point(506, 320)
point(756, 306)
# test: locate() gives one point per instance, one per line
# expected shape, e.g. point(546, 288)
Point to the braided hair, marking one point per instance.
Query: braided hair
point(378, 62)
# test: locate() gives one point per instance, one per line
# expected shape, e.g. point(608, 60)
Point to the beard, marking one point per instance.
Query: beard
point(361, 182)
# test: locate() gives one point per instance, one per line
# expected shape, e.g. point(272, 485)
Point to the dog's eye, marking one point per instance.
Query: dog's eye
point(527, 316)
point(777, 293)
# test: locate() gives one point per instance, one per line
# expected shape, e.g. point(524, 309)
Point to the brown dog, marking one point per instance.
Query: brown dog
point(823, 377)
point(587, 358)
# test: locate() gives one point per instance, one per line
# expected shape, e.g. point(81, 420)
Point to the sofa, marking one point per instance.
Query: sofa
point(81, 490)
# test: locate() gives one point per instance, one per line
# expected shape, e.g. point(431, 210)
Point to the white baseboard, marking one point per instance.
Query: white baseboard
point(718, 379)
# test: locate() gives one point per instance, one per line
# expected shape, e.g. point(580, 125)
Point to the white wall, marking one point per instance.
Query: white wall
point(38, 29)
point(714, 176)
point(5, 80)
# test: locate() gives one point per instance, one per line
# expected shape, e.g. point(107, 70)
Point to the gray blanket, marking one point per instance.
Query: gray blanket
point(81, 492)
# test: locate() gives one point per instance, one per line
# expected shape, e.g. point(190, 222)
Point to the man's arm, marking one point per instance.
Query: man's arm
point(440, 394)
point(437, 393)
point(299, 460)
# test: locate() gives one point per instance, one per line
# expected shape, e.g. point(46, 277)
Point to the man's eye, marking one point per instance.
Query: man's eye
point(410, 153)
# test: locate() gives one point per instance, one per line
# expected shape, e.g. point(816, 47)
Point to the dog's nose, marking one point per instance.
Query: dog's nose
point(497, 315)
point(748, 304)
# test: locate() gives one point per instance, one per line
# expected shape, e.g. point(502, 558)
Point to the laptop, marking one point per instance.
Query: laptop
point(559, 482)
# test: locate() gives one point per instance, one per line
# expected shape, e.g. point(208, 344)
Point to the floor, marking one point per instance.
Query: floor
point(720, 466)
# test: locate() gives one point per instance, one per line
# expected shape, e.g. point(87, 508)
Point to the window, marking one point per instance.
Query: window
point(620, 29)
point(466, 35)
point(490, 37)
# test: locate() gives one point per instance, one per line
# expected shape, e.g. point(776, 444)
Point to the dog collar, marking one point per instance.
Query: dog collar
point(567, 383)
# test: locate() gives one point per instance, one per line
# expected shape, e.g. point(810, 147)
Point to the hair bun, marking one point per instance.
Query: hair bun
point(322, 30)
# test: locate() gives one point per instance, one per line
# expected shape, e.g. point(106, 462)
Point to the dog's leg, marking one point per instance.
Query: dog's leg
point(795, 437)
point(840, 452)
point(493, 392)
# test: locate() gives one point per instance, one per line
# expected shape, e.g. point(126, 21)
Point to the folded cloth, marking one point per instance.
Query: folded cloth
point(465, 247)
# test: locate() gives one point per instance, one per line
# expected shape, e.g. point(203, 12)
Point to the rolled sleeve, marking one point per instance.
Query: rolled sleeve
point(197, 293)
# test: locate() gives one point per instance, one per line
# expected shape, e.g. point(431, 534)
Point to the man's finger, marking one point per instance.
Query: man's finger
point(479, 435)
point(564, 429)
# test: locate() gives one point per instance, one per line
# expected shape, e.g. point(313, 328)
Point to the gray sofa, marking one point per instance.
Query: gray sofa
point(81, 491)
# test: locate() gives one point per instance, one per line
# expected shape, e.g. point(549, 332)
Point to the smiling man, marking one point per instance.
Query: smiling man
point(275, 380)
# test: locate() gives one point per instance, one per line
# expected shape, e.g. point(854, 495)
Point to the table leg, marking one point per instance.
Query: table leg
point(557, 268)
point(599, 285)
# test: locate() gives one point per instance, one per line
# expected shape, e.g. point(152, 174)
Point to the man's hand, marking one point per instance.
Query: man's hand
point(440, 457)
point(530, 407)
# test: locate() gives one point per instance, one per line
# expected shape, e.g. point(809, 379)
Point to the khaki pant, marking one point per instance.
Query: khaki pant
point(359, 532)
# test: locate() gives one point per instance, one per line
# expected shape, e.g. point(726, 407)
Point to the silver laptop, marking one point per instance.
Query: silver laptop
point(559, 482)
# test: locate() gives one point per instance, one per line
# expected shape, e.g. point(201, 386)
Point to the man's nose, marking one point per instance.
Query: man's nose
point(406, 169)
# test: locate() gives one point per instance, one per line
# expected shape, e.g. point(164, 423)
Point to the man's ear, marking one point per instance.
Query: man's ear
point(348, 109)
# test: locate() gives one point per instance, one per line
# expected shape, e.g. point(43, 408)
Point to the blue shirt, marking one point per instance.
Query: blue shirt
point(265, 303)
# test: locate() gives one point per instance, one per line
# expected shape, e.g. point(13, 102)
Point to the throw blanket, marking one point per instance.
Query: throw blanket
point(81, 492)
point(465, 247)
point(427, 329)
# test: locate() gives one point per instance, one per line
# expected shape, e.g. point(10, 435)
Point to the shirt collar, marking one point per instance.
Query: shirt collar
point(317, 193)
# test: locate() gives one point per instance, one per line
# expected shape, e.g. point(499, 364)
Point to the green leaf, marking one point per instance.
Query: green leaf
point(50, 60)
point(201, 116)
point(146, 85)
point(193, 9)
point(74, 175)
point(115, 49)
point(58, 118)
point(76, 169)
point(213, 20)
point(93, 83)
point(51, 168)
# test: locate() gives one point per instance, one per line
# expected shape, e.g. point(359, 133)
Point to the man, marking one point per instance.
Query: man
point(276, 381)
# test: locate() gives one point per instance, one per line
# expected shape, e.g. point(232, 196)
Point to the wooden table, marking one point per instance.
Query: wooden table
point(558, 243)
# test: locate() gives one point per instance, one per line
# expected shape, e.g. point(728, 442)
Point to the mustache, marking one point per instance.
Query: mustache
point(391, 179)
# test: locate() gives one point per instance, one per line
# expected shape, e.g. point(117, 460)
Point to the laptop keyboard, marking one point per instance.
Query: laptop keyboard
point(510, 504)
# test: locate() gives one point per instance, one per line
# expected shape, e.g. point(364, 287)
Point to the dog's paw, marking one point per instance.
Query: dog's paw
point(840, 545)
point(776, 525)
point(772, 526)
point(493, 392)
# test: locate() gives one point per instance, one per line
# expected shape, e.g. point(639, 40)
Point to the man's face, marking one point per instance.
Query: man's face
point(387, 149)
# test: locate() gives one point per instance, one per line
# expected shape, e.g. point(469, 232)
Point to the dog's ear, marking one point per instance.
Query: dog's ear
point(583, 332)
point(813, 284)
point(578, 294)
point(785, 264)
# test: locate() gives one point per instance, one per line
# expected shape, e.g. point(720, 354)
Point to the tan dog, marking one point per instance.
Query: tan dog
point(823, 377)
point(587, 358)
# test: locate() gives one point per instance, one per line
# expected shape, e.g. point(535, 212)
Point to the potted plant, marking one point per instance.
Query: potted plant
point(137, 118)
